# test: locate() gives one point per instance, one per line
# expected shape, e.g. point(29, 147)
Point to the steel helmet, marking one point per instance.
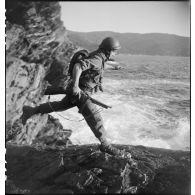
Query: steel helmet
point(109, 44)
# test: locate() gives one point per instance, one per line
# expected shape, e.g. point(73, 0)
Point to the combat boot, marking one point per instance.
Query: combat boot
point(27, 113)
point(109, 149)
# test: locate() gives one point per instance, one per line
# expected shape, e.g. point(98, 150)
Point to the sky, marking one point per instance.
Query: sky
point(127, 16)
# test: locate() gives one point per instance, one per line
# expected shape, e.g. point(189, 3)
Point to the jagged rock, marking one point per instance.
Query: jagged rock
point(37, 56)
point(50, 133)
point(24, 84)
point(84, 169)
point(53, 135)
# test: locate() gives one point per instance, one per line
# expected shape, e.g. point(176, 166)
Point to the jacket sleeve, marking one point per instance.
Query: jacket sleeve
point(92, 63)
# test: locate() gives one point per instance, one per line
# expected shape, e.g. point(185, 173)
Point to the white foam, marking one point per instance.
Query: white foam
point(181, 140)
point(132, 120)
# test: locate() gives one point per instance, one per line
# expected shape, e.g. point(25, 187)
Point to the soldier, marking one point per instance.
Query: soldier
point(87, 75)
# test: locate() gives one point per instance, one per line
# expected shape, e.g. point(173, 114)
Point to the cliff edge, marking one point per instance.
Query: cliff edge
point(84, 169)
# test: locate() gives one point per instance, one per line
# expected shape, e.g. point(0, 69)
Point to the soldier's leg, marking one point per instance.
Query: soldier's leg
point(55, 106)
point(48, 107)
point(94, 120)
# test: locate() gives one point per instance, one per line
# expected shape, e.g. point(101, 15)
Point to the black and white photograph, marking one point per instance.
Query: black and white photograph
point(98, 97)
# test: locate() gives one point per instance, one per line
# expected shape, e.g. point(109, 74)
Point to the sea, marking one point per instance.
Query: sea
point(150, 99)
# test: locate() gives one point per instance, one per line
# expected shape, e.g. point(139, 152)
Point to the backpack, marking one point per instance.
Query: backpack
point(79, 55)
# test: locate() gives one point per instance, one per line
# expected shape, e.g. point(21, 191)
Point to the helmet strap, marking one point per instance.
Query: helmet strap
point(107, 54)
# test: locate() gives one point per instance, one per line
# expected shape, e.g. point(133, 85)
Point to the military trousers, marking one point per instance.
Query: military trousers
point(86, 107)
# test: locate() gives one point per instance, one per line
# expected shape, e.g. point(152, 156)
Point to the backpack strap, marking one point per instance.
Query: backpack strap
point(79, 55)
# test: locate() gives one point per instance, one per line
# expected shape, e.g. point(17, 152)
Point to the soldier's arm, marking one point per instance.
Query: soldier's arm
point(111, 64)
point(77, 70)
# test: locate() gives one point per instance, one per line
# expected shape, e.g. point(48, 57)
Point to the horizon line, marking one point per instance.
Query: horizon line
point(128, 32)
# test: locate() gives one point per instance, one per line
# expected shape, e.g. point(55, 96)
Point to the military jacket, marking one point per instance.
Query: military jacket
point(92, 70)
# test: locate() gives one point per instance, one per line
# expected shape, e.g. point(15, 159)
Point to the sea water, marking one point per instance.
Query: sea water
point(150, 99)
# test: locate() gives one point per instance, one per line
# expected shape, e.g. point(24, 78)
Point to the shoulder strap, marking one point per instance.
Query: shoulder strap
point(79, 55)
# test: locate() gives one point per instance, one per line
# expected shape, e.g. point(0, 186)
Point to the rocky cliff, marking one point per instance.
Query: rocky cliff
point(40, 157)
point(37, 56)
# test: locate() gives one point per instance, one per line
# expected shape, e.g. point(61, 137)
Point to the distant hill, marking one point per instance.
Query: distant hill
point(135, 43)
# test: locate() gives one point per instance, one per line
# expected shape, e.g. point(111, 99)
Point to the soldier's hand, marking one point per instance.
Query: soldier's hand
point(101, 88)
point(76, 91)
point(96, 89)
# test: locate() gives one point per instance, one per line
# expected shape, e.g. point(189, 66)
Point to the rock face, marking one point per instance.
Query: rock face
point(84, 169)
point(37, 56)
point(40, 157)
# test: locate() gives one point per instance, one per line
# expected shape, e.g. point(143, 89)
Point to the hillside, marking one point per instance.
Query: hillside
point(134, 43)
